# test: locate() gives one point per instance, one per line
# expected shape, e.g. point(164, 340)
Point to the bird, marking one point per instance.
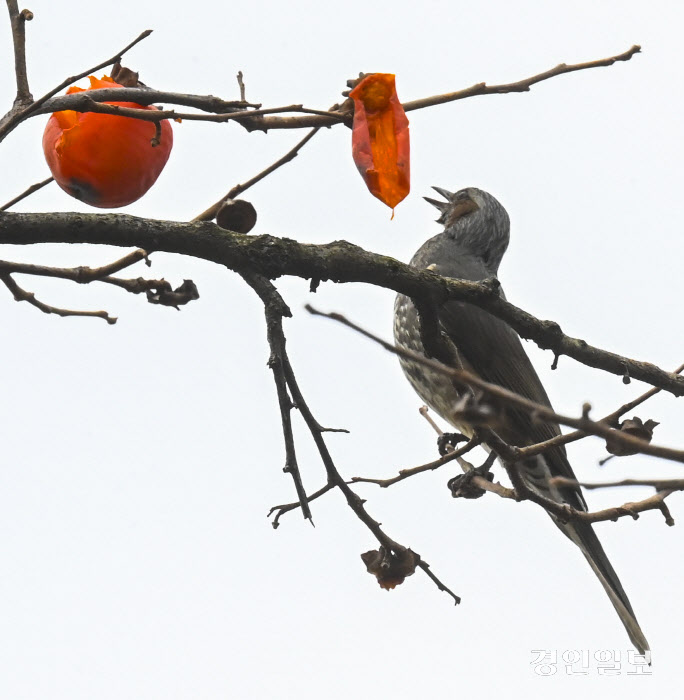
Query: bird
point(471, 246)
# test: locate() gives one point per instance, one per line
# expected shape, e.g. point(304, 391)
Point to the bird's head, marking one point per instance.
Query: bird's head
point(476, 221)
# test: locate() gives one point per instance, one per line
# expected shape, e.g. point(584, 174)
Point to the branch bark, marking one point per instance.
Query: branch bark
point(338, 262)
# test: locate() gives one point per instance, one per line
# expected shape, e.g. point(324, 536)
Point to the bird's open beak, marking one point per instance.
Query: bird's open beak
point(457, 205)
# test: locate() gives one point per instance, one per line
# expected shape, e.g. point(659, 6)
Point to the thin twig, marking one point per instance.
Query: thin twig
point(322, 118)
point(11, 120)
point(478, 481)
point(280, 510)
point(475, 90)
point(18, 21)
point(275, 309)
point(467, 379)
point(659, 484)
point(85, 102)
point(210, 213)
point(430, 466)
point(611, 420)
point(510, 457)
point(22, 295)
point(145, 96)
point(352, 498)
point(28, 191)
point(519, 86)
point(241, 85)
point(82, 275)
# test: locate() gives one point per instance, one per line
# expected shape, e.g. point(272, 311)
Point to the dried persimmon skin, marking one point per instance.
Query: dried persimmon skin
point(380, 138)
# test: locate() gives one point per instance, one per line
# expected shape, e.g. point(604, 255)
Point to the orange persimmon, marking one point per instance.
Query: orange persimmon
point(102, 159)
point(380, 138)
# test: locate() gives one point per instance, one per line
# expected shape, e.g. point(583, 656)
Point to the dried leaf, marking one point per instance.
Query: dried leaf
point(166, 296)
point(390, 569)
point(634, 427)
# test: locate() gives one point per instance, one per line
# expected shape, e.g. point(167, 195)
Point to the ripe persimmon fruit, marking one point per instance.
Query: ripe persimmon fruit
point(105, 160)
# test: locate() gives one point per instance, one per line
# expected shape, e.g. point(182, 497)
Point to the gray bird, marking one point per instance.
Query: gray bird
point(474, 240)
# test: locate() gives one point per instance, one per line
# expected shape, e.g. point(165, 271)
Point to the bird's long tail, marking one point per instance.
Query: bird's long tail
point(583, 535)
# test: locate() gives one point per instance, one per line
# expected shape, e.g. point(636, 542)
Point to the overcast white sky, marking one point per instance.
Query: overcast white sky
point(139, 460)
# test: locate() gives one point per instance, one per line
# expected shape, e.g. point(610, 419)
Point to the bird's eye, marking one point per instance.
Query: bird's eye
point(459, 210)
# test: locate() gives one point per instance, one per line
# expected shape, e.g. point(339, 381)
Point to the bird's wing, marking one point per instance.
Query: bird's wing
point(494, 352)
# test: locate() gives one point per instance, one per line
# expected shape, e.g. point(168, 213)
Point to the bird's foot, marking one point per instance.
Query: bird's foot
point(447, 440)
point(463, 486)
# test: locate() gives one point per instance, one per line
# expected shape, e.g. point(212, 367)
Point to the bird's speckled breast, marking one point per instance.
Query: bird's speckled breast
point(433, 388)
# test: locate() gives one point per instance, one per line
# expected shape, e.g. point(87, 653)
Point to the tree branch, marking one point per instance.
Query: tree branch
point(18, 21)
point(521, 85)
point(539, 411)
point(257, 121)
point(611, 420)
point(276, 309)
point(210, 213)
point(26, 193)
point(338, 261)
point(659, 484)
point(430, 466)
point(15, 116)
point(286, 382)
point(22, 295)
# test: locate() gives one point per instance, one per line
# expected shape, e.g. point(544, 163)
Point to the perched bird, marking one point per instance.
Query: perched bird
point(474, 240)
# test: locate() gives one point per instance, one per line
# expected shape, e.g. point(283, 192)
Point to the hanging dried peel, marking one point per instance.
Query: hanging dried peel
point(102, 159)
point(380, 138)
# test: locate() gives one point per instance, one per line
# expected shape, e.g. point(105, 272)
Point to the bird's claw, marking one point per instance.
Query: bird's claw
point(462, 485)
point(447, 440)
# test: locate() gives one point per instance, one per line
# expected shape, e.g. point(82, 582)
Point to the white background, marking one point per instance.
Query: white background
point(139, 460)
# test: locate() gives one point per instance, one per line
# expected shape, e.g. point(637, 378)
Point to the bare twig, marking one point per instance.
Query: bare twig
point(18, 21)
point(312, 118)
point(478, 89)
point(241, 85)
point(280, 510)
point(82, 275)
point(85, 102)
point(430, 466)
point(467, 379)
point(275, 309)
point(144, 96)
point(27, 192)
point(519, 86)
point(158, 291)
point(22, 295)
point(210, 213)
point(611, 420)
point(15, 117)
point(659, 484)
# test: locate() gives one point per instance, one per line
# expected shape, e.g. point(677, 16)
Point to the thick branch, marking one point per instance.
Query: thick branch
point(338, 261)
